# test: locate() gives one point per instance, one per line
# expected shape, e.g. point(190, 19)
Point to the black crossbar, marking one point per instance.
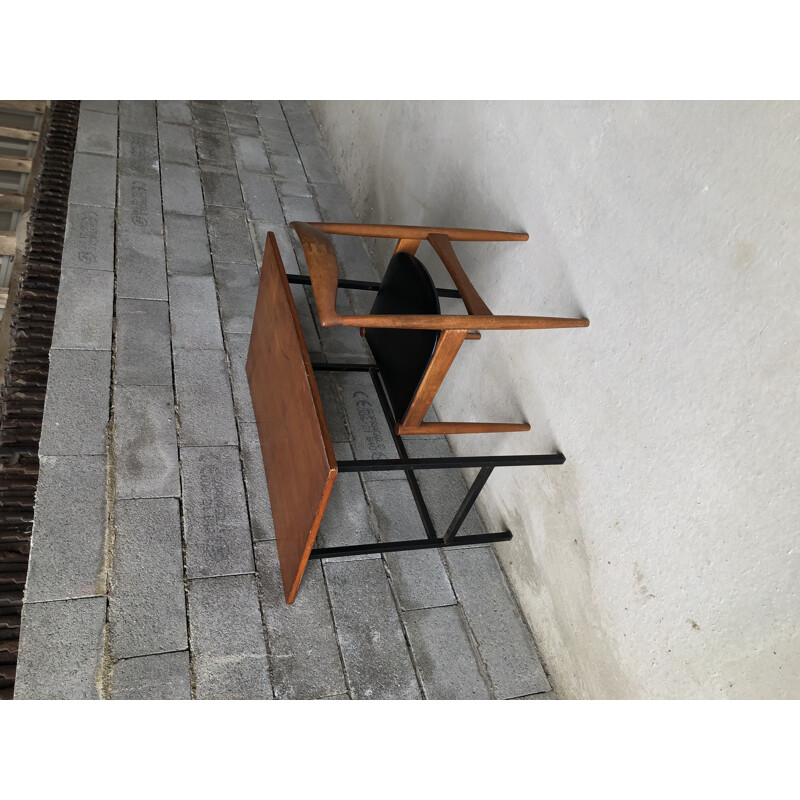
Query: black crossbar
point(448, 462)
point(408, 544)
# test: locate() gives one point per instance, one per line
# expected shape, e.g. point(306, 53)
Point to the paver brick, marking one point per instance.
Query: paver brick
point(176, 111)
point(214, 148)
point(61, 646)
point(209, 117)
point(187, 245)
point(242, 124)
point(504, 641)
point(205, 406)
point(94, 180)
point(229, 653)
point(255, 482)
point(89, 238)
point(229, 235)
point(147, 605)
point(333, 408)
point(138, 155)
point(300, 209)
point(176, 143)
point(237, 285)
point(250, 153)
point(106, 106)
point(141, 265)
point(142, 353)
point(181, 190)
point(286, 166)
point(236, 345)
point(216, 526)
point(137, 115)
point(76, 403)
point(376, 660)
point(84, 311)
point(294, 189)
point(418, 576)
point(268, 108)
point(298, 115)
point(97, 133)
point(238, 106)
point(284, 239)
point(334, 203)
point(140, 203)
point(317, 163)
point(261, 197)
point(69, 529)
point(164, 676)
point(221, 187)
point(447, 662)
point(145, 442)
point(193, 312)
point(303, 649)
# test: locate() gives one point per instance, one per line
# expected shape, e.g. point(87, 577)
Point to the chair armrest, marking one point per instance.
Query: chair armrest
point(416, 232)
point(450, 322)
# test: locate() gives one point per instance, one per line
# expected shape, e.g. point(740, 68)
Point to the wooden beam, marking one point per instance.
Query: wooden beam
point(35, 106)
point(12, 201)
point(8, 243)
point(415, 232)
point(11, 164)
point(19, 133)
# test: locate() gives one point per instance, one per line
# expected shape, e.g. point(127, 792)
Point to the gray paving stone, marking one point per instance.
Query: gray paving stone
point(300, 209)
point(229, 654)
point(137, 115)
point(229, 235)
point(140, 203)
point(237, 286)
point(317, 163)
point(97, 133)
point(177, 111)
point(205, 406)
point(236, 345)
point(76, 403)
point(268, 108)
point(287, 167)
point(275, 126)
point(283, 237)
point(538, 696)
point(61, 645)
point(221, 187)
point(372, 438)
point(303, 649)
point(447, 663)
point(355, 264)
point(334, 203)
point(107, 106)
point(138, 155)
point(143, 352)
point(147, 604)
point(69, 529)
point(242, 124)
point(160, 677)
point(181, 190)
point(89, 238)
point(376, 660)
point(209, 117)
point(250, 153)
point(141, 265)
point(216, 527)
point(261, 197)
point(84, 311)
point(346, 519)
point(294, 189)
point(503, 639)
point(176, 143)
point(279, 144)
point(298, 115)
point(94, 180)
point(255, 482)
point(193, 312)
point(418, 576)
point(443, 490)
point(238, 106)
point(336, 697)
point(187, 245)
point(145, 442)
point(333, 408)
point(214, 148)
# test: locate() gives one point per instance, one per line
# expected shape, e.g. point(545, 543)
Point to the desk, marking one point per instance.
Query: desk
point(296, 447)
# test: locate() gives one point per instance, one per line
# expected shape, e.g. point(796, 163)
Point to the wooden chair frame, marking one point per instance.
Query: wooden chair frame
point(323, 270)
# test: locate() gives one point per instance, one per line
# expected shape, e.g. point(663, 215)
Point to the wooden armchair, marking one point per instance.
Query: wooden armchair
point(412, 342)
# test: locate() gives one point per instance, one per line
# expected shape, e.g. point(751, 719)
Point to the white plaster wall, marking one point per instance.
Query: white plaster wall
point(661, 560)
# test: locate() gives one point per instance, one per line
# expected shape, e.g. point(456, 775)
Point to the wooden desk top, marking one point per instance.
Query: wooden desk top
point(298, 455)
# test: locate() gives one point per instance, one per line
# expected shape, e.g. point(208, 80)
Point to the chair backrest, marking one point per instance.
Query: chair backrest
point(402, 356)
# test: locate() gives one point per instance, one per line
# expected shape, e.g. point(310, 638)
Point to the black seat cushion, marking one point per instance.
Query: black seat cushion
point(402, 356)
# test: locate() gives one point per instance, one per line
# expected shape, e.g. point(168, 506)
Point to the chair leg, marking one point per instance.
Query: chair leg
point(428, 428)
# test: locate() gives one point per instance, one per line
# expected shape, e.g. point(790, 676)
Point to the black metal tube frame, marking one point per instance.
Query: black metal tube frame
point(485, 464)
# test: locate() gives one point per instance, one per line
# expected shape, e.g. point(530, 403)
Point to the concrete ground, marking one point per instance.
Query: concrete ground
point(153, 569)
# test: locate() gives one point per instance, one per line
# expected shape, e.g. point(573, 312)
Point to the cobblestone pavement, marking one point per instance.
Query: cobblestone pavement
point(153, 570)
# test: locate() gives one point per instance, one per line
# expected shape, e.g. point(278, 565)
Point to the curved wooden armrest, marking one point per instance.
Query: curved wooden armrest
point(453, 322)
point(323, 269)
